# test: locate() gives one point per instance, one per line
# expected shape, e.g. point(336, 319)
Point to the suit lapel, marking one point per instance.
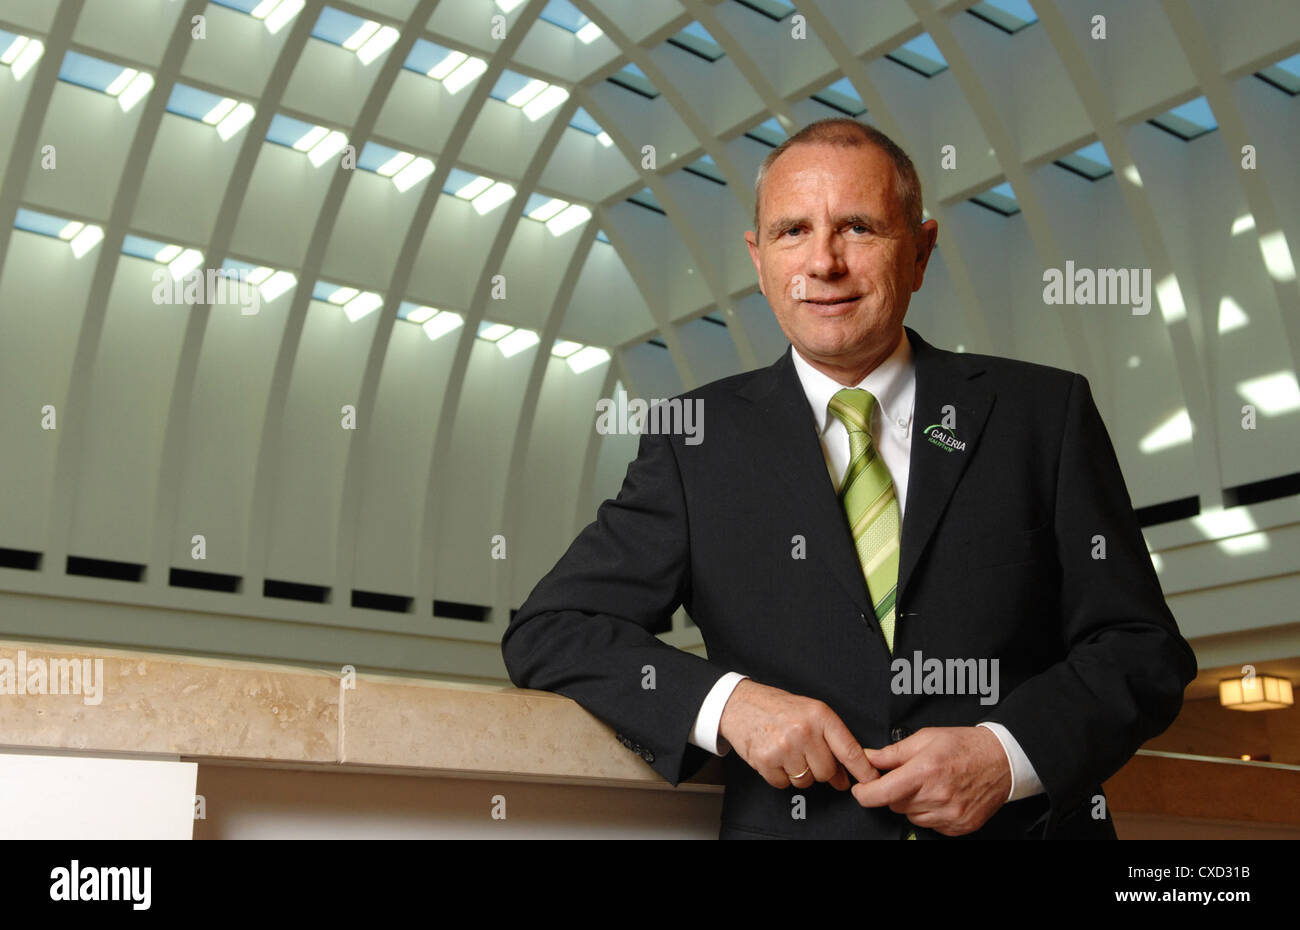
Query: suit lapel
point(784, 436)
point(942, 379)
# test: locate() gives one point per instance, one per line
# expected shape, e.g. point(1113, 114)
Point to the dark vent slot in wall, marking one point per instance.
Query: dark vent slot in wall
point(457, 611)
point(1169, 511)
point(372, 600)
point(105, 568)
point(1269, 489)
point(293, 591)
point(204, 581)
point(20, 558)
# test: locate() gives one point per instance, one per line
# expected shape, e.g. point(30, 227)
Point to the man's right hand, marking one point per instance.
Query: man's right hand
point(781, 734)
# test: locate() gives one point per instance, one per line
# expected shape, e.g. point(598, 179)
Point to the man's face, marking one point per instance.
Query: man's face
point(835, 256)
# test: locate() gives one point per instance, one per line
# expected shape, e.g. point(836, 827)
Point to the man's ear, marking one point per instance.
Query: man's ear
point(751, 242)
point(926, 237)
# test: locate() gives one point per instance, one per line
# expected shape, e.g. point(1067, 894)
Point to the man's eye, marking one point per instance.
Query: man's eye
point(859, 228)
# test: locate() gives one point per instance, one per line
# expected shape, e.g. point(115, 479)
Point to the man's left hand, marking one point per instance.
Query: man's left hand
point(948, 779)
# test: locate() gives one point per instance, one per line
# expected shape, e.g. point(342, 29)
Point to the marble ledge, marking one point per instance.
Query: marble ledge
point(225, 711)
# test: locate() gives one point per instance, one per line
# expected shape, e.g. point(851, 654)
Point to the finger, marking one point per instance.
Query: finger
point(891, 756)
point(848, 750)
point(821, 760)
point(890, 788)
point(774, 776)
point(840, 781)
point(800, 773)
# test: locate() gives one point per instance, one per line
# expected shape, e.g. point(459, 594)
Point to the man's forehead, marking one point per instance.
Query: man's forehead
point(831, 174)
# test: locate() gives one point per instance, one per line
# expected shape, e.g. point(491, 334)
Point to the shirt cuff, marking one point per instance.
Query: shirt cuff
point(1024, 780)
point(705, 732)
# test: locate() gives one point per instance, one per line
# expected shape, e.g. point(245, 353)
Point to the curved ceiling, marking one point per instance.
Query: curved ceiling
point(466, 221)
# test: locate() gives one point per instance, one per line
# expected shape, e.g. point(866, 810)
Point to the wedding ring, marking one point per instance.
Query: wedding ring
point(801, 774)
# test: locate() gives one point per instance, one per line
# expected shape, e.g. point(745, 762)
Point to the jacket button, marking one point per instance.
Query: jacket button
point(898, 734)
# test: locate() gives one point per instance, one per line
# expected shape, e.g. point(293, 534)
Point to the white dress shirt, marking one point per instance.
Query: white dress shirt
point(893, 384)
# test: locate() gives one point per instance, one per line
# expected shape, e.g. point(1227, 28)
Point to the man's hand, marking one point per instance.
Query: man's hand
point(782, 734)
point(949, 779)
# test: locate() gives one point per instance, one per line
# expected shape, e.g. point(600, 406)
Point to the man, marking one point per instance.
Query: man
point(927, 604)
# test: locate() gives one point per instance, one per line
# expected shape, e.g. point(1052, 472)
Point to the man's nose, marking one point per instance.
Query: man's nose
point(826, 258)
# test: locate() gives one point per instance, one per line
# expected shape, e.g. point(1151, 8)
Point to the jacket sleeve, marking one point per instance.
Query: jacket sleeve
point(1121, 681)
point(584, 631)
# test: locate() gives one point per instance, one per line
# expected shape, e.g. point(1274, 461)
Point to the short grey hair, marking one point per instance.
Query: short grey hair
point(844, 132)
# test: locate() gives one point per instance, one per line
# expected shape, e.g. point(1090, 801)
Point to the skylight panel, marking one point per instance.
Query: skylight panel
point(568, 17)
point(1284, 75)
point(633, 78)
point(128, 85)
point(424, 56)
point(645, 198)
point(601, 237)
point(405, 169)
point(243, 6)
point(179, 260)
point(140, 247)
point(41, 223)
point(367, 38)
point(491, 332)
point(484, 194)
point(704, 167)
point(571, 217)
point(560, 216)
point(457, 71)
point(318, 142)
point(920, 55)
point(842, 96)
point(20, 53)
point(81, 237)
point(535, 97)
point(225, 113)
point(1008, 15)
point(273, 13)
point(769, 132)
point(696, 40)
point(583, 121)
point(435, 323)
point(587, 358)
point(516, 89)
point(563, 348)
point(773, 9)
point(999, 199)
point(355, 303)
point(1090, 161)
point(517, 341)
point(1187, 121)
point(541, 208)
point(270, 282)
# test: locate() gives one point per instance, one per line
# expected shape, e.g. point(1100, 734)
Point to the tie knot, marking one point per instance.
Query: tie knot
point(852, 407)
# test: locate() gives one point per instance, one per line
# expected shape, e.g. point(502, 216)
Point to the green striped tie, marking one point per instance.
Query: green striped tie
point(871, 504)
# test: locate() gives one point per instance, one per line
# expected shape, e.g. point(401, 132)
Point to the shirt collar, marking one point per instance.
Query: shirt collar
point(892, 383)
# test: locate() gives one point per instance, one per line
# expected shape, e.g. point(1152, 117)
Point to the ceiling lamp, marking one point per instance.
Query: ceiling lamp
point(1255, 692)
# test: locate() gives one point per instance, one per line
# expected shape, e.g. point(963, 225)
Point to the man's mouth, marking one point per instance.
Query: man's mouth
point(831, 304)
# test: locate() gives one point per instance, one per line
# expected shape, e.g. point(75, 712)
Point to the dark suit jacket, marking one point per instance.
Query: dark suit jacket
point(997, 562)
